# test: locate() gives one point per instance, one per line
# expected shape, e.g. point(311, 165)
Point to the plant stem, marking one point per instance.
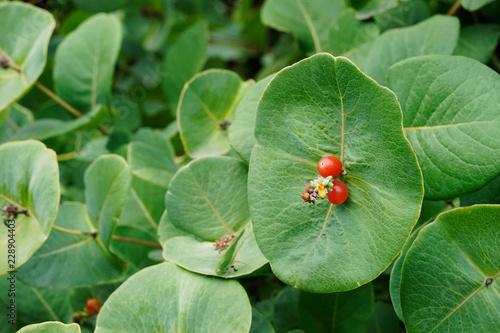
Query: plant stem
point(67, 156)
point(58, 99)
point(75, 232)
point(65, 105)
point(136, 241)
point(453, 10)
point(12, 123)
point(115, 237)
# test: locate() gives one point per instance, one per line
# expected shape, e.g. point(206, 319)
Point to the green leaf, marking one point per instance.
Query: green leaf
point(208, 198)
point(450, 107)
point(473, 5)
point(101, 6)
point(338, 312)
point(260, 324)
point(153, 161)
point(25, 34)
point(490, 194)
point(436, 35)
point(206, 101)
point(70, 260)
point(308, 20)
point(29, 179)
point(51, 327)
point(384, 320)
point(35, 305)
point(286, 306)
point(241, 258)
point(47, 128)
point(192, 302)
point(349, 34)
point(167, 230)
point(183, 60)
point(85, 62)
point(325, 106)
point(107, 185)
point(395, 281)
point(406, 13)
point(241, 131)
point(369, 8)
point(478, 41)
point(16, 116)
point(446, 273)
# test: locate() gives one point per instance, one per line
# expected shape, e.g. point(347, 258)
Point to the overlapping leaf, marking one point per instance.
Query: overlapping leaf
point(29, 180)
point(451, 119)
point(326, 106)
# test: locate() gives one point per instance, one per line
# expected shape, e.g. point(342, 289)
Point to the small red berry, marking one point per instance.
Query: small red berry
point(329, 166)
point(93, 306)
point(339, 193)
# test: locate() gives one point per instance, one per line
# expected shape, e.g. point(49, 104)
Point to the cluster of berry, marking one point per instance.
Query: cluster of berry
point(336, 191)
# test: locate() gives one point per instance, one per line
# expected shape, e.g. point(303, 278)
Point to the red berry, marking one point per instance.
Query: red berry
point(339, 193)
point(93, 306)
point(329, 166)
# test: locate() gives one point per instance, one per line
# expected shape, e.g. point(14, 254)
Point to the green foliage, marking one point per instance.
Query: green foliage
point(154, 156)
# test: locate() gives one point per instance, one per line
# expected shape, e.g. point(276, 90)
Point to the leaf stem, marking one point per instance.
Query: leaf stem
point(136, 241)
point(67, 156)
point(12, 123)
point(453, 9)
point(93, 234)
point(65, 105)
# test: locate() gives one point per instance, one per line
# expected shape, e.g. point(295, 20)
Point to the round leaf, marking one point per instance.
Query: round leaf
point(85, 62)
point(338, 312)
point(52, 327)
point(29, 179)
point(72, 260)
point(25, 32)
point(450, 107)
point(326, 106)
point(241, 131)
point(242, 257)
point(169, 298)
point(107, 184)
point(206, 101)
point(436, 35)
point(208, 198)
point(444, 282)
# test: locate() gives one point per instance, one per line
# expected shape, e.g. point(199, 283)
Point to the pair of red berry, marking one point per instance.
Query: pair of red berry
point(332, 166)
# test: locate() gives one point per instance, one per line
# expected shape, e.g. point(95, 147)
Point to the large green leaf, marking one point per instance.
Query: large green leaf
point(51, 327)
point(309, 20)
point(208, 198)
point(478, 41)
point(450, 107)
point(207, 100)
point(85, 62)
point(260, 324)
point(72, 260)
point(436, 35)
point(406, 13)
point(450, 275)
point(338, 312)
point(183, 60)
point(35, 305)
point(325, 106)
point(29, 179)
point(16, 116)
point(241, 258)
point(107, 184)
point(47, 128)
point(473, 5)
point(490, 194)
point(25, 34)
point(369, 8)
point(241, 131)
point(152, 160)
point(167, 298)
point(384, 320)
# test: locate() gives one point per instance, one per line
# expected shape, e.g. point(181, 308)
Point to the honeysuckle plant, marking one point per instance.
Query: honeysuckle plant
point(249, 166)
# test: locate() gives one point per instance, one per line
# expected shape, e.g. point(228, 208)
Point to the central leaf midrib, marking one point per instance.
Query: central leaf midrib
point(224, 224)
point(310, 26)
point(483, 285)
